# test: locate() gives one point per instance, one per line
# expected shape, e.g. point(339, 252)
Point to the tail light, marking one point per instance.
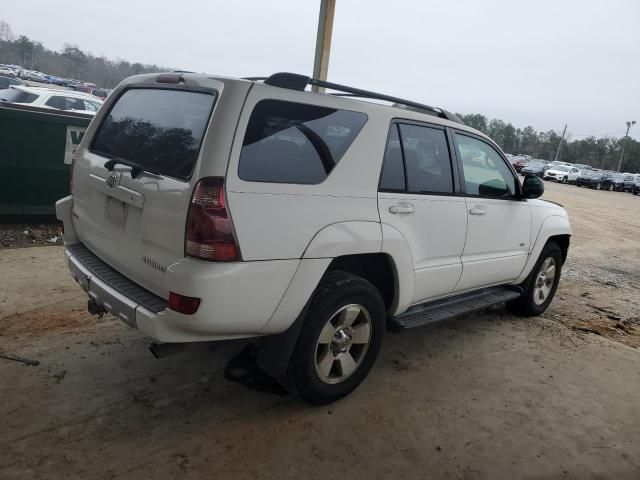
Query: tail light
point(209, 231)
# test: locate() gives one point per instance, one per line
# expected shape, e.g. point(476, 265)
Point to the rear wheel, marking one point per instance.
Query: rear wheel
point(340, 339)
point(541, 285)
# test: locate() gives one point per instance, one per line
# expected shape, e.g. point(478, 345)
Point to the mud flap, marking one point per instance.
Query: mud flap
point(274, 351)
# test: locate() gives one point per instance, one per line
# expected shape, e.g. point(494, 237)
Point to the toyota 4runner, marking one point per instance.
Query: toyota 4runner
point(208, 208)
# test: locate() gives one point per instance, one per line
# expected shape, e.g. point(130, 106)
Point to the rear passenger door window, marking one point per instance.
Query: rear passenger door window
point(288, 142)
point(427, 160)
point(486, 174)
point(417, 160)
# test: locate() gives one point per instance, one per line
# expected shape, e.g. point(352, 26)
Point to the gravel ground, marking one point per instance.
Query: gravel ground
point(39, 232)
point(488, 396)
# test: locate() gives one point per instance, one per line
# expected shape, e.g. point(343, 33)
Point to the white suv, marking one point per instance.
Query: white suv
point(211, 208)
point(52, 98)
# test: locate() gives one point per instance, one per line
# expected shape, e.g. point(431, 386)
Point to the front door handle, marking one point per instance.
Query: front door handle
point(401, 208)
point(478, 210)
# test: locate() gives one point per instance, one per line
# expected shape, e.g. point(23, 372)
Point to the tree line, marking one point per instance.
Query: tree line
point(72, 62)
point(603, 152)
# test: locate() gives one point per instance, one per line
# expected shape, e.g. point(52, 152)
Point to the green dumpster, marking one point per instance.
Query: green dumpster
point(36, 146)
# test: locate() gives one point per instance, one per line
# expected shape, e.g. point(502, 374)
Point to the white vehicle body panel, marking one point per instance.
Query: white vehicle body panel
point(498, 240)
point(435, 232)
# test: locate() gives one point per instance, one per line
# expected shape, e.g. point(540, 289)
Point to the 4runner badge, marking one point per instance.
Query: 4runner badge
point(112, 180)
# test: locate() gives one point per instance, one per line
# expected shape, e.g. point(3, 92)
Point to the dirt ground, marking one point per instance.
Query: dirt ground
point(489, 396)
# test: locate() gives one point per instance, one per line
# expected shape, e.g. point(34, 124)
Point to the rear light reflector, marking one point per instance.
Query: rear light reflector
point(209, 232)
point(183, 304)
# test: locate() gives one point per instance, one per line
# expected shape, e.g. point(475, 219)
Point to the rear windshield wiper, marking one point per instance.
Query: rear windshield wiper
point(136, 168)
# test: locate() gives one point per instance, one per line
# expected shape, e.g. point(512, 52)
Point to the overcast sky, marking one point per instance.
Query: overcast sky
point(539, 63)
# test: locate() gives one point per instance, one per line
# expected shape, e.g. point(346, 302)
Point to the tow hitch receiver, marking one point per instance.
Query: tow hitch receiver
point(94, 308)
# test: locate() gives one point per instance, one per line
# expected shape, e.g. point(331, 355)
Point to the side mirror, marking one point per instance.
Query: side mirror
point(532, 187)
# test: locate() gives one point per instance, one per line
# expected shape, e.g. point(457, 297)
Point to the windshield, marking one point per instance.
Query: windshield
point(535, 164)
point(561, 168)
point(160, 130)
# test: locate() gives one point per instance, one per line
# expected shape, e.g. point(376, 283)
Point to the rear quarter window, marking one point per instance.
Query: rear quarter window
point(17, 96)
point(288, 142)
point(160, 130)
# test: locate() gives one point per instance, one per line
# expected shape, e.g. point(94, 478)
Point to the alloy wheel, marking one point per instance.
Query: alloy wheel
point(343, 344)
point(544, 281)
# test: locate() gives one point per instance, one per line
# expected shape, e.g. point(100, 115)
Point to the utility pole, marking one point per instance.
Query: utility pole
point(323, 41)
point(560, 144)
point(624, 144)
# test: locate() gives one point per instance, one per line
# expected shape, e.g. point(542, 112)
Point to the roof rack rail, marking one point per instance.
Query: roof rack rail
point(299, 82)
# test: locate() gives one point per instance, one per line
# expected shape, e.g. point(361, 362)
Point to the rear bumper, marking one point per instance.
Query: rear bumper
point(237, 299)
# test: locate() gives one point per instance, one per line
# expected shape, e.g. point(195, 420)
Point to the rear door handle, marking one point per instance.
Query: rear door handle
point(401, 208)
point(478, 210)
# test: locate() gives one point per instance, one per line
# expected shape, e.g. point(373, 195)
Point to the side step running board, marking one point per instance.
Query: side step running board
point(447, 308)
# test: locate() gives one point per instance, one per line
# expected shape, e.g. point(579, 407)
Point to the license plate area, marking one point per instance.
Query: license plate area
point(116, 212)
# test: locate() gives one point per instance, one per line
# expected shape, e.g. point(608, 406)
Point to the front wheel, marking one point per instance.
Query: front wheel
point(565, 180)
point(340, 339)
point(598, 186)
point(541, 285)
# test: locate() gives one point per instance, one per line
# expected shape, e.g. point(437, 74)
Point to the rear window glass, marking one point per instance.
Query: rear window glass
point(13, 95)
point(290, 142)
point(160, 130)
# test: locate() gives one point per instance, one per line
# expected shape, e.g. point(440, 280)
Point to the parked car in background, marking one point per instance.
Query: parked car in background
point(535, 167)
point(617, 181)
point(629, 182)
point(582, 166)
point(7, 71)
point(63, 82)
point(595, 179)
point(81, 87)
point(52, 98)
point(562, 174)
point(101, 93)
point(518, 162)
point(554, 163)
point(34, 76)
point(636, 187)
point(6, 82)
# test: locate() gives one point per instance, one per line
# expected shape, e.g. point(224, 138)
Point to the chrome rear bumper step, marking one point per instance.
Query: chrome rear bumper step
point(114, 279)
point(451, 307)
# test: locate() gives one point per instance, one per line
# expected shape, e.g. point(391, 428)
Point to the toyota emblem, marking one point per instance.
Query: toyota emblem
point(112, 180)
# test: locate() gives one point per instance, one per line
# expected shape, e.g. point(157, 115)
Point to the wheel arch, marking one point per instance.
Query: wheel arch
point(554, 228)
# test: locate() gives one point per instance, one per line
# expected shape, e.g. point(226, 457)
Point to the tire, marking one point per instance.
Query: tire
point(527, 305)
point(565, 180)
point(611, 187)
point(319, 381)
point(598, 186)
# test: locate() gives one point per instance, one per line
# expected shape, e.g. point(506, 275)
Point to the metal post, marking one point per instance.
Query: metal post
point(624, 144)
point(323, 41)
point(560, 144)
